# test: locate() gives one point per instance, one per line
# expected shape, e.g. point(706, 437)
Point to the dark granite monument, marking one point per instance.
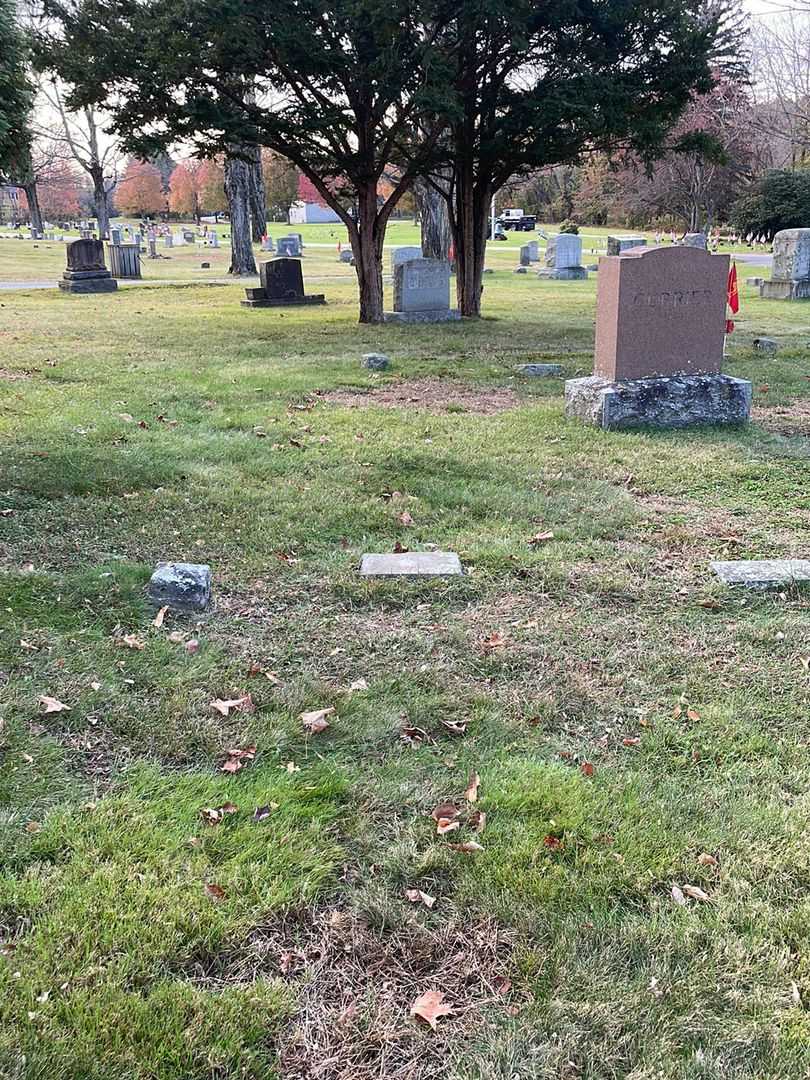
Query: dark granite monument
point(282, 285)
point(86, 271)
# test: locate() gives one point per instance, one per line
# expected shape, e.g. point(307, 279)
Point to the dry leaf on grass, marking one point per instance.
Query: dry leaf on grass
point(705, 859)
point(315, 722)
point(586, 768)
point(161, 615)
point(469, 847)
point(455, 727)
point(236, 759)
point(678, 896)
point(477, 820)
point(358, 684)
point(416, 896)
point(553, 843)
point(405, 518)
point(213, 815)
point(540, 538)
point(430, 1006)
point(446, 825)
point(216, 892)
point(132, 641)
point(263, 812)
point(493, 642)
point(471, 794)
point(696, 893)
point(444, 811)
point(192, 646)
point(52, 704)
point(242, 704)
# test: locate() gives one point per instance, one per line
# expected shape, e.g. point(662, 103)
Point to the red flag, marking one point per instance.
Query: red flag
point(452, 252)
point(338, 247)
point(732, 296)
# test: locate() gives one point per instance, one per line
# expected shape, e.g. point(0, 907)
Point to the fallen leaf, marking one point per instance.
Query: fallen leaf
point(471, 794)
point(358, 684)
point(236, 759)
point(399, 549)
point(586, 768)
point(416, 896)
point(291, 767)
point(468, 847)
point(405, 518)
point(33, 827)
point(315, 722)
point(455, 727)
point(540, 538)
point(446, 825)
point(696, 893)
point(430, 1006)
point(502, 984)
point(192, 646)
point(287, 557)
point(553, 843)
point(444, 811)
point(242, 704)
point(161, 615)
point(712, 605)
point(176, 637)
point(477, 820)
point(692, 714)
point(634, 741)
point(705, 859)
point(216, 892)
point(263, 812)
point(213, 815)
point(494, 641)
point(132, 641)
point(414, 735)
point(52, 704)
point(678, 896)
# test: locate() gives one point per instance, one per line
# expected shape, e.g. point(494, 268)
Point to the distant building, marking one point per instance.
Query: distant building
point(310, 208)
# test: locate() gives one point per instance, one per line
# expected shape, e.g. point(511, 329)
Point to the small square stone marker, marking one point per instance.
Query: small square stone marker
point(182, 586)
point(763, 573)
point(411, 564)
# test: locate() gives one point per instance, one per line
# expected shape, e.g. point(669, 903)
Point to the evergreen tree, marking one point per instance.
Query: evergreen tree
point(15, 92)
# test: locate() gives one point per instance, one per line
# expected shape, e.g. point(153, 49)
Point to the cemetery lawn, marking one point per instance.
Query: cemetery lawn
point(640, 903)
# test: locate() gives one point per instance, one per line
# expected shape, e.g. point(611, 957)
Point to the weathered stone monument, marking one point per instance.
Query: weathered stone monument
point(267, 243)
point(617, 244)
point(411, 564)
point(422, 292)
point(282, 285)
point(181, 586)
point(213, 238)
point(404, 254)
point(660, 326)
point(563, 258)
point(86, 272)
point(346, 256)
point(695, 240)
point(790, 274)
point(525, 256)
point(289, 246)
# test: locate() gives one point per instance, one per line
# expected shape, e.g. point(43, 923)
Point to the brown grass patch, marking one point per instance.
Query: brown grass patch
point(14, 376)
point(784, 419)
point(430, 395)
point(355, 989)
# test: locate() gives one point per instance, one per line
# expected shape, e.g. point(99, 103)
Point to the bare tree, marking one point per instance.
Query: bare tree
point(781, 79)
point(83, 137)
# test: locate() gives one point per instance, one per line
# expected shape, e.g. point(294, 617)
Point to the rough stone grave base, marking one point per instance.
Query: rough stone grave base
point(442, 315)
point(673, 402)
point(182, 586)
point(564, 273)
point(785, 290)
point(290, 301)
point(412, 564)
point(763, 573)
point(89, 285)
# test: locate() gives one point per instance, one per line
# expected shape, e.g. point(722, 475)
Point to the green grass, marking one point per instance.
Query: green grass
point(173, 424)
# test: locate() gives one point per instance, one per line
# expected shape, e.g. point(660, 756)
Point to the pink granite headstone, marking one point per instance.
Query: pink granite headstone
point(660, 311)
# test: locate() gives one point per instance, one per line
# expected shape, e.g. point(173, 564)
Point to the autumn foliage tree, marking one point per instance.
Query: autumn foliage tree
point(184, 189)
point(140, 192)
point(60, 190)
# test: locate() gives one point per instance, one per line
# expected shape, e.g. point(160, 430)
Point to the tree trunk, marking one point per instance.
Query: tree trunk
point(367, 247)
point(100, 202)
point(237, 191)
point(472, 207)
point(258, 199)
point(434, 220)
point(31, 195)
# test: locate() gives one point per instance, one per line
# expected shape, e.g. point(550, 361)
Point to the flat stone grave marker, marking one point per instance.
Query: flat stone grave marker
point(422, 292)
point(282, 285)
point(763, 573)
point(411, 564)
point(540, 369)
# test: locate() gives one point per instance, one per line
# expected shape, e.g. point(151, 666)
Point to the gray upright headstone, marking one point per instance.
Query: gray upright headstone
point(696, 240)
point(289, 247)
point(617, 244)
point(404, 254)
point(86, 272)
point(563, 258)
point(422, 292)
point(790, 274)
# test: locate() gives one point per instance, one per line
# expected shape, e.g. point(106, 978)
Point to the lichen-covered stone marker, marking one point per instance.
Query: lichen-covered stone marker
point(411, 564)
point(763, 573)
point(182, 586)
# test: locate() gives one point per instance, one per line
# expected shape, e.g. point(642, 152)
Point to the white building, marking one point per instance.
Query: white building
point(311, 213)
